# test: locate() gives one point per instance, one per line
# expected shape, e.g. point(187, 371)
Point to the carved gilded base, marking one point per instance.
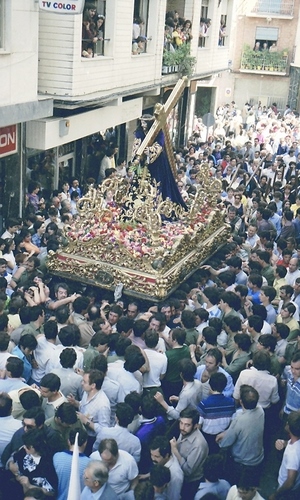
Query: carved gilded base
point(153, 284)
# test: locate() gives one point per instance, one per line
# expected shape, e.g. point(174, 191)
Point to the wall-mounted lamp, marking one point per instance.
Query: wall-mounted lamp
point(64, 126)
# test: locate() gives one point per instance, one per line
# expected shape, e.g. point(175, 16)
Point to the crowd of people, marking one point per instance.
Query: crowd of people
point(187, 398)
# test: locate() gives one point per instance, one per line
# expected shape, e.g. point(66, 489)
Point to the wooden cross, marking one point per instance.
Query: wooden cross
point(161, 112)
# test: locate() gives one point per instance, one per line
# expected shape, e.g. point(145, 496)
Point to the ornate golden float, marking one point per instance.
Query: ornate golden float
point(146, 243)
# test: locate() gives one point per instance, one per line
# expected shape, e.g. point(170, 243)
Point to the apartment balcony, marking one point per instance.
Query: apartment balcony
point(264, 62)
point(179, 60)
point(272, 8)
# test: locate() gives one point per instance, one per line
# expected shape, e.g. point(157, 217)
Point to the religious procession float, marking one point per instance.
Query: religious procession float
point(141, 234)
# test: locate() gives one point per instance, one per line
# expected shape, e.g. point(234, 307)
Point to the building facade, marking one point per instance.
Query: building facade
point(265, 54)
point(63, 87)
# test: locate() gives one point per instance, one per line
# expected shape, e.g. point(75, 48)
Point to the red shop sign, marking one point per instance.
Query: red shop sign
point(8, 140)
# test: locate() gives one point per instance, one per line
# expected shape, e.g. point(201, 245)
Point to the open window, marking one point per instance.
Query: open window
point(266, 38)
point(140, 26)
point(204, 24)
point(93, 29)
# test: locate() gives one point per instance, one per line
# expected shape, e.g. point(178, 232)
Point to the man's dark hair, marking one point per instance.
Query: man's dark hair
point(255, 322)
point(151, 338)
point(139, 327)
point(80, 304)
point(262, 360)
point(210, 335)
point(5, 404)
point(218, 382)
point(259, 310)
point(124, 414)
point(178, 334)
point(29, 398)
point(162, 444)
point(99, 339)
point(68, 357)
point(160, 475)
point(124, 324)
point(215, 353)
point(281, 271)
point(263, 255)
point(213, 468)
point(190, 413)
point(66, 413)
point(249, 397)
point(293, 421)
point(267, 340)
point(230, 298)
point(233, 322)
point(243, 341)
point(187, 369)
point(188, 319)
point(37, 414)
point(202, 313)
point(227, 277)
point(4, 341)
point(134, 359)
point(96, 377)
point(28, 341)
point(121, 345)
point(50, 330)
point(213, 294)
point(150, 407)
point(283, 330)
point(35, 312)
point(116, 309)
point(82, 436)
point(66, 335)
point(99, 363)
point(51, 382)
point(256, 279)
point(134, 400)
point(15, 366)
point(62, 314)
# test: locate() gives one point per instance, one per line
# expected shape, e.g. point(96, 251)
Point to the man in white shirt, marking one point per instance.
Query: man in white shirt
point(52, 397)
point(293, 271)
point(8, 425)
point(122, 468)
point(160, 450)
point(258, 376)
point(289, 472)
point(124, 439)
point(157, 362)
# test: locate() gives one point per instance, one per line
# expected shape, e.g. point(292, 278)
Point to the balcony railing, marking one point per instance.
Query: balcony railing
point(264, 62)
point(274, 7)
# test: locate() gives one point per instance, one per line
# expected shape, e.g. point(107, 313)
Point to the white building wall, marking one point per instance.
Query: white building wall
point(19, 56)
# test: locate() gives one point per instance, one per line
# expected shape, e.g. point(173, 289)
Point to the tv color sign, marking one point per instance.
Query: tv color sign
point(71, 7)
point(8, 140)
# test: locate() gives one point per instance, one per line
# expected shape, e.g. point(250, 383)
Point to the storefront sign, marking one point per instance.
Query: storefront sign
point(71, 7)
point(8, 140)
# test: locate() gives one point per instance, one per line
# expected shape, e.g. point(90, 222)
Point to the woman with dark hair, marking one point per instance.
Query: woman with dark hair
point(32, 464)
point(8, 254)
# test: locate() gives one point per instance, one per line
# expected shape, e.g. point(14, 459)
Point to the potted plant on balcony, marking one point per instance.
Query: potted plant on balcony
point(184, 60)
point(168, 62)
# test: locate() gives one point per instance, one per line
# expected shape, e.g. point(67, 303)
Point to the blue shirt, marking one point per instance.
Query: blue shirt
point(27, 365)
point(228, 391)
point(62, 462)
point(292, 394)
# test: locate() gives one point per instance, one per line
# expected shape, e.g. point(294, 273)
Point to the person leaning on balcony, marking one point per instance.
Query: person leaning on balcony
point(138, 46)
point(89, 29)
